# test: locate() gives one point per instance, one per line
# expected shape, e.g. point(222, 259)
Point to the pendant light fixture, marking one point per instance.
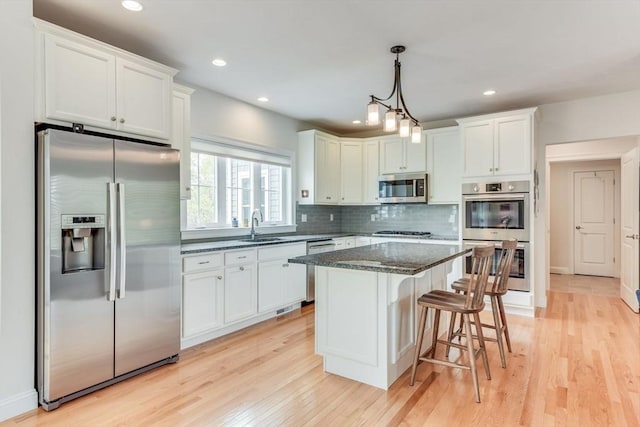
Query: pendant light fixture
point(397, 118)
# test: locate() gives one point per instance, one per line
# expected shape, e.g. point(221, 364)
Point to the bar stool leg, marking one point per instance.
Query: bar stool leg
point(434, 334)
point(416, 355)
point(483, 348)
point(472, 358)
point(450, 333)
point(503, 316)
point(498, 325)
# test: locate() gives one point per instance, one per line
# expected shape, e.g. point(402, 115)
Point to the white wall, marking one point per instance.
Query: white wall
point(17, 278)
point(609, 116)
point(561, 202)
point(214, 114)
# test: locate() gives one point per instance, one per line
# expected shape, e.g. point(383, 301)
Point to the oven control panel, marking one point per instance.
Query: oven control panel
point(496, 187)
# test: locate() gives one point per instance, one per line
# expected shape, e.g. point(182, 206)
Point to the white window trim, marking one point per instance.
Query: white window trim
point(228, 147)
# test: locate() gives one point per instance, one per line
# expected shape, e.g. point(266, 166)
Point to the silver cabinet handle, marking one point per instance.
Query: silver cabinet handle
point(113, 240)
point(203, 262)
point(242, 257)
point(241, 268)
point(285, 265)
point(123, 241)
point(121, 120)
point(113, 118)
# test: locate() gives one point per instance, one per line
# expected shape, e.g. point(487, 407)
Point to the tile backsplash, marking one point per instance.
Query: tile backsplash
point(440, 220)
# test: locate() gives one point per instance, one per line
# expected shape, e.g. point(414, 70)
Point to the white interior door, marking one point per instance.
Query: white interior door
point(629, 218)
point(593, 221)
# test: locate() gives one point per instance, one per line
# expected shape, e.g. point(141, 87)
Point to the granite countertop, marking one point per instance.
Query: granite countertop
point(389, 257)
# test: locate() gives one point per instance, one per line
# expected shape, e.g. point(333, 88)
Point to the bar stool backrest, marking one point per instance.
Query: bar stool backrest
point(504, 266)
point(482, 257)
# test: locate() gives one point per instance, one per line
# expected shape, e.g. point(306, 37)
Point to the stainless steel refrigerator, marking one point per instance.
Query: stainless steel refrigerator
point(108, 287)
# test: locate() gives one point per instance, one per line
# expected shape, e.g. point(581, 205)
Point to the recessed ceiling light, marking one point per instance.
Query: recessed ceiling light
point(356, 122)
point(219, 62)
point(263, 99)
point(489, 92)
point(132, 5)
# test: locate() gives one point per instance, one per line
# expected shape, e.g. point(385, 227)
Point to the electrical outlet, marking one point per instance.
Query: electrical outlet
point(330, 217)
point(303, 217)
point(373, 217)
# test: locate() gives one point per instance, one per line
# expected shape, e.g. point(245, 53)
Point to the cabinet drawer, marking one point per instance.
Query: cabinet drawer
point(239, 257)
point(282, 251)
point(201, 262)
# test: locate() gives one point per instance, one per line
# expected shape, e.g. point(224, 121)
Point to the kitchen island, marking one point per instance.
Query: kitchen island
point(366, 305)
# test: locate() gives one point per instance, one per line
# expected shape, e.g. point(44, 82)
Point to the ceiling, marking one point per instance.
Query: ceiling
point(319, 60)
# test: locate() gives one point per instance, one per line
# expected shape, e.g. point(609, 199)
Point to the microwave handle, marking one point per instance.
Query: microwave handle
point(495, 197)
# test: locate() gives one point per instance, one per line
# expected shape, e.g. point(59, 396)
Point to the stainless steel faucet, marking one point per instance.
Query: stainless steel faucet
point(257, 213)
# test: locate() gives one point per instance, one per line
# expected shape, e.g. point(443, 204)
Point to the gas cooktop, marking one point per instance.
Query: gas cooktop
point(402, 233)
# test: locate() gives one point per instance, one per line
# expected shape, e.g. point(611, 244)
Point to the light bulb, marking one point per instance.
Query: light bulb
point(390, 121)
point(373, 114)
point(405, 127)
point(416, 134)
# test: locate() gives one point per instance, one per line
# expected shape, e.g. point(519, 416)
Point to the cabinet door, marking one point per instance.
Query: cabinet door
point(144, 99)
point(295, 283)
point(181, 139)
point(363, 241)
point(392, 158)
point(240, 292)
point(327, 164)
point(415, 156)
point(202, 302)
point(512, 145)
point(370, 172)
point(80, 83)
point(271, 278)
point(444, 166)
point(477, 146)
point(351, 172)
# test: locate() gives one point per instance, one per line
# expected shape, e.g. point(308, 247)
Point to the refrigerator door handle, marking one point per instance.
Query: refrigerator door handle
point(113, 240)
point(123, 241)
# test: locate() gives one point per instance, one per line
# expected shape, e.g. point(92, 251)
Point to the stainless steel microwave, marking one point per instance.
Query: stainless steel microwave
point(403, 188)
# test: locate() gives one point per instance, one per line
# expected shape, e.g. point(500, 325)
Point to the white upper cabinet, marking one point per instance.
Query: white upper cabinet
point(400, 155)
point(351, 172)
point(88, 82)
point(497, 144)
point(318, 168)
point(444, 165)
point(181, 135)
point(370, 172)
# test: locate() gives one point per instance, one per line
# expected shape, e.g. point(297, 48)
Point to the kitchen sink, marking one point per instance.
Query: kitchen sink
point(261, 239)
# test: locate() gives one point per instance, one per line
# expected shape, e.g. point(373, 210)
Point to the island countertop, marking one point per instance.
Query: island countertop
point(389, 257)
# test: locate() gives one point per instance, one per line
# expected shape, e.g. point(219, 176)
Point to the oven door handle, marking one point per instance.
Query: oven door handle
point(496, 197)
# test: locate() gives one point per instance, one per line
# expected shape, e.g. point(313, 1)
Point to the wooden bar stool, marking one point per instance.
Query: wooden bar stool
point(467, 304)
point(495, 290)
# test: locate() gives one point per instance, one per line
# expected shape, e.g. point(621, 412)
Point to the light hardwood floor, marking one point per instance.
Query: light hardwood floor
point(576, 363)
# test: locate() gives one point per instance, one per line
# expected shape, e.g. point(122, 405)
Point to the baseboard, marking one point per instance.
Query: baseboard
point(18, 404)
point(559, 270)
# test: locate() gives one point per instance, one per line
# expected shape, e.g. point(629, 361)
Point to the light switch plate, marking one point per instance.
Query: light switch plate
point(303, 217)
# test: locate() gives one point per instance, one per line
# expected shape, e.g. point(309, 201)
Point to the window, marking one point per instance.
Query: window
point(230, 182)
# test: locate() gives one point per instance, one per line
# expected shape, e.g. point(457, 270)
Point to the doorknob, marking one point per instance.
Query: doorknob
point(633, 236)
point(578, 227)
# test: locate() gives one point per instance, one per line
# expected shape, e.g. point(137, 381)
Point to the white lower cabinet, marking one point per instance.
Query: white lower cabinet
point(240, 292)
point(345, 242)
point(280, 283)
point(224, 291)
point(202, 302)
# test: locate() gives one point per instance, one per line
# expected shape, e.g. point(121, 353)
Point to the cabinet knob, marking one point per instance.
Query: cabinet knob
point(496, 169)
point(187, 188)
point(490, 169)
point(328, 198)
point(285, 265)
point(113, 118)
point(219, 277)
point(121, 120)
point(241, 269)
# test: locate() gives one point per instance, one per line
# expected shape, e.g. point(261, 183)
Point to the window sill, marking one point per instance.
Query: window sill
point(212, 233)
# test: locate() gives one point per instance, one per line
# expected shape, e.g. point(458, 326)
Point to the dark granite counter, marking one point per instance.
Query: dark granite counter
point(194, 248)
point(390, 257)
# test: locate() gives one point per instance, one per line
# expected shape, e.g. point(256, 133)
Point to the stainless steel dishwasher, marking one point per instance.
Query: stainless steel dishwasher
point(316, 247)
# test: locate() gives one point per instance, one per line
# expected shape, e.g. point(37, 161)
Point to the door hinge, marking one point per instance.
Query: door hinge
point(614, 220)
point(614, 260)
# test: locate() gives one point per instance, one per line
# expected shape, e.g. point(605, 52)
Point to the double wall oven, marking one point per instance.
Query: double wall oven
point(493, 212)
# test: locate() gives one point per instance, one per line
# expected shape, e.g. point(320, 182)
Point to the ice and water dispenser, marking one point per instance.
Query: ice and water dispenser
point(82, 243)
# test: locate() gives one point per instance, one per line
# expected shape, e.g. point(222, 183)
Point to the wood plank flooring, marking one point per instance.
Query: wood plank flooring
point(577, 363)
